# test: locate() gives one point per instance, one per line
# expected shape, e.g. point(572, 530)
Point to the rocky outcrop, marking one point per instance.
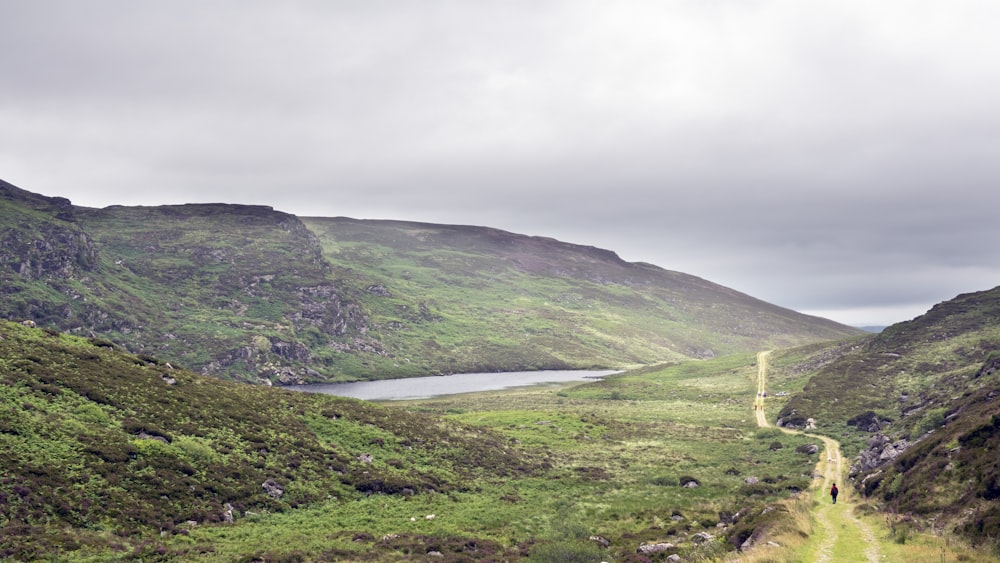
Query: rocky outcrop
point(808, 449)
point(869, 422)
point(273, 489)
point(990, 366)
point(45, 242)
point(46, 250)
point(322, 307)
point(881, 450)
point(650, 548)
point(792, 420)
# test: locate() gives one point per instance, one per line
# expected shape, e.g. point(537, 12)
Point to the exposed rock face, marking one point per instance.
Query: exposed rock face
point(881, 450)
point(47, 245)
point(322, 307)
point(58, 252)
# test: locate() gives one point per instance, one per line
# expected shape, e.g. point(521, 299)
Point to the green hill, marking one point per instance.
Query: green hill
point(253, 294)
point(921, 403)
point(100, 449)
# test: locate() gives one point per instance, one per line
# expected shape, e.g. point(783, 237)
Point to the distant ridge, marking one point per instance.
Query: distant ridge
point(250, 293)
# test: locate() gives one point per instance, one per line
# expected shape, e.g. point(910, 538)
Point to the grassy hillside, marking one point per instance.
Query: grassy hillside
point(100, 451)
point(240, 292)
point(107, 455)
point(474, 298)
point(253, 294)
point(931, 386)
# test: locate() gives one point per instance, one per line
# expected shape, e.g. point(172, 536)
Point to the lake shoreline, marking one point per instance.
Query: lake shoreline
point(436, 386)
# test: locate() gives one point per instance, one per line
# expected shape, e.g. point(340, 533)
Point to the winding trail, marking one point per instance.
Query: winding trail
point(838, 535)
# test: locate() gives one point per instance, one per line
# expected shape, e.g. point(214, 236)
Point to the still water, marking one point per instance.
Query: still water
point(439, 386)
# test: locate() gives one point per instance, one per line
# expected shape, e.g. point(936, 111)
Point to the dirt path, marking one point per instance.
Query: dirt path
point(837, 535)
point(758, 404)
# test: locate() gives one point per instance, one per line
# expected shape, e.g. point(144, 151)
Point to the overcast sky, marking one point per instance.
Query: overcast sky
point(838, 157)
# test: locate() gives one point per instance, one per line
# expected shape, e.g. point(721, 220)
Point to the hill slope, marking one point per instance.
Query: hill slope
point(100, 449)
point(250, 293)
point(475, 298)
point(920, 402)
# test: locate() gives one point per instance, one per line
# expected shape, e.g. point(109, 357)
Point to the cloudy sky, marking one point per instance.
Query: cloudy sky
point(836, 157)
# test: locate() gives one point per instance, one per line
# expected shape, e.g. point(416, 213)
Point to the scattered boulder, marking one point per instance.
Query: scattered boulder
point(673, 558)
point(601, 540)
point(792, 421)
point(688, 482)
point(751, 480)
point(143, 435)
point(810, 424)
point(379, 290)
point(869, 422)
point(366, 458)
point(649, 548)
point(227, 514)
point(273, 488)
point(702, 537)
point(808, 449)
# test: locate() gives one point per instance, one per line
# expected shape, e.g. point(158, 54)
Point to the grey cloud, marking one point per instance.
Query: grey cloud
point(826, 156)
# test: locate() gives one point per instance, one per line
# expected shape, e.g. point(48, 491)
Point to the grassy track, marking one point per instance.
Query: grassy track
point(832, 533)
point(837, 534)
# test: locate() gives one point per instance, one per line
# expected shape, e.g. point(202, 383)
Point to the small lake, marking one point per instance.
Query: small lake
point(442, 385)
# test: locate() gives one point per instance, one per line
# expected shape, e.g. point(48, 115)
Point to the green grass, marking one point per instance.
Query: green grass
point(523, 474)
point(528, 474)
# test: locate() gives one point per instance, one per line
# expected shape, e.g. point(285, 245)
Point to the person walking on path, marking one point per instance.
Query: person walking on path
point(834, 492)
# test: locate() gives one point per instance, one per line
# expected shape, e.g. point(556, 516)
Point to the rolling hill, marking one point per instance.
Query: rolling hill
point(99, 449)
point(254, 294)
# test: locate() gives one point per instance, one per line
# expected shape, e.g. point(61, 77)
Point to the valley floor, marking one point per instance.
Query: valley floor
point(836, 531)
